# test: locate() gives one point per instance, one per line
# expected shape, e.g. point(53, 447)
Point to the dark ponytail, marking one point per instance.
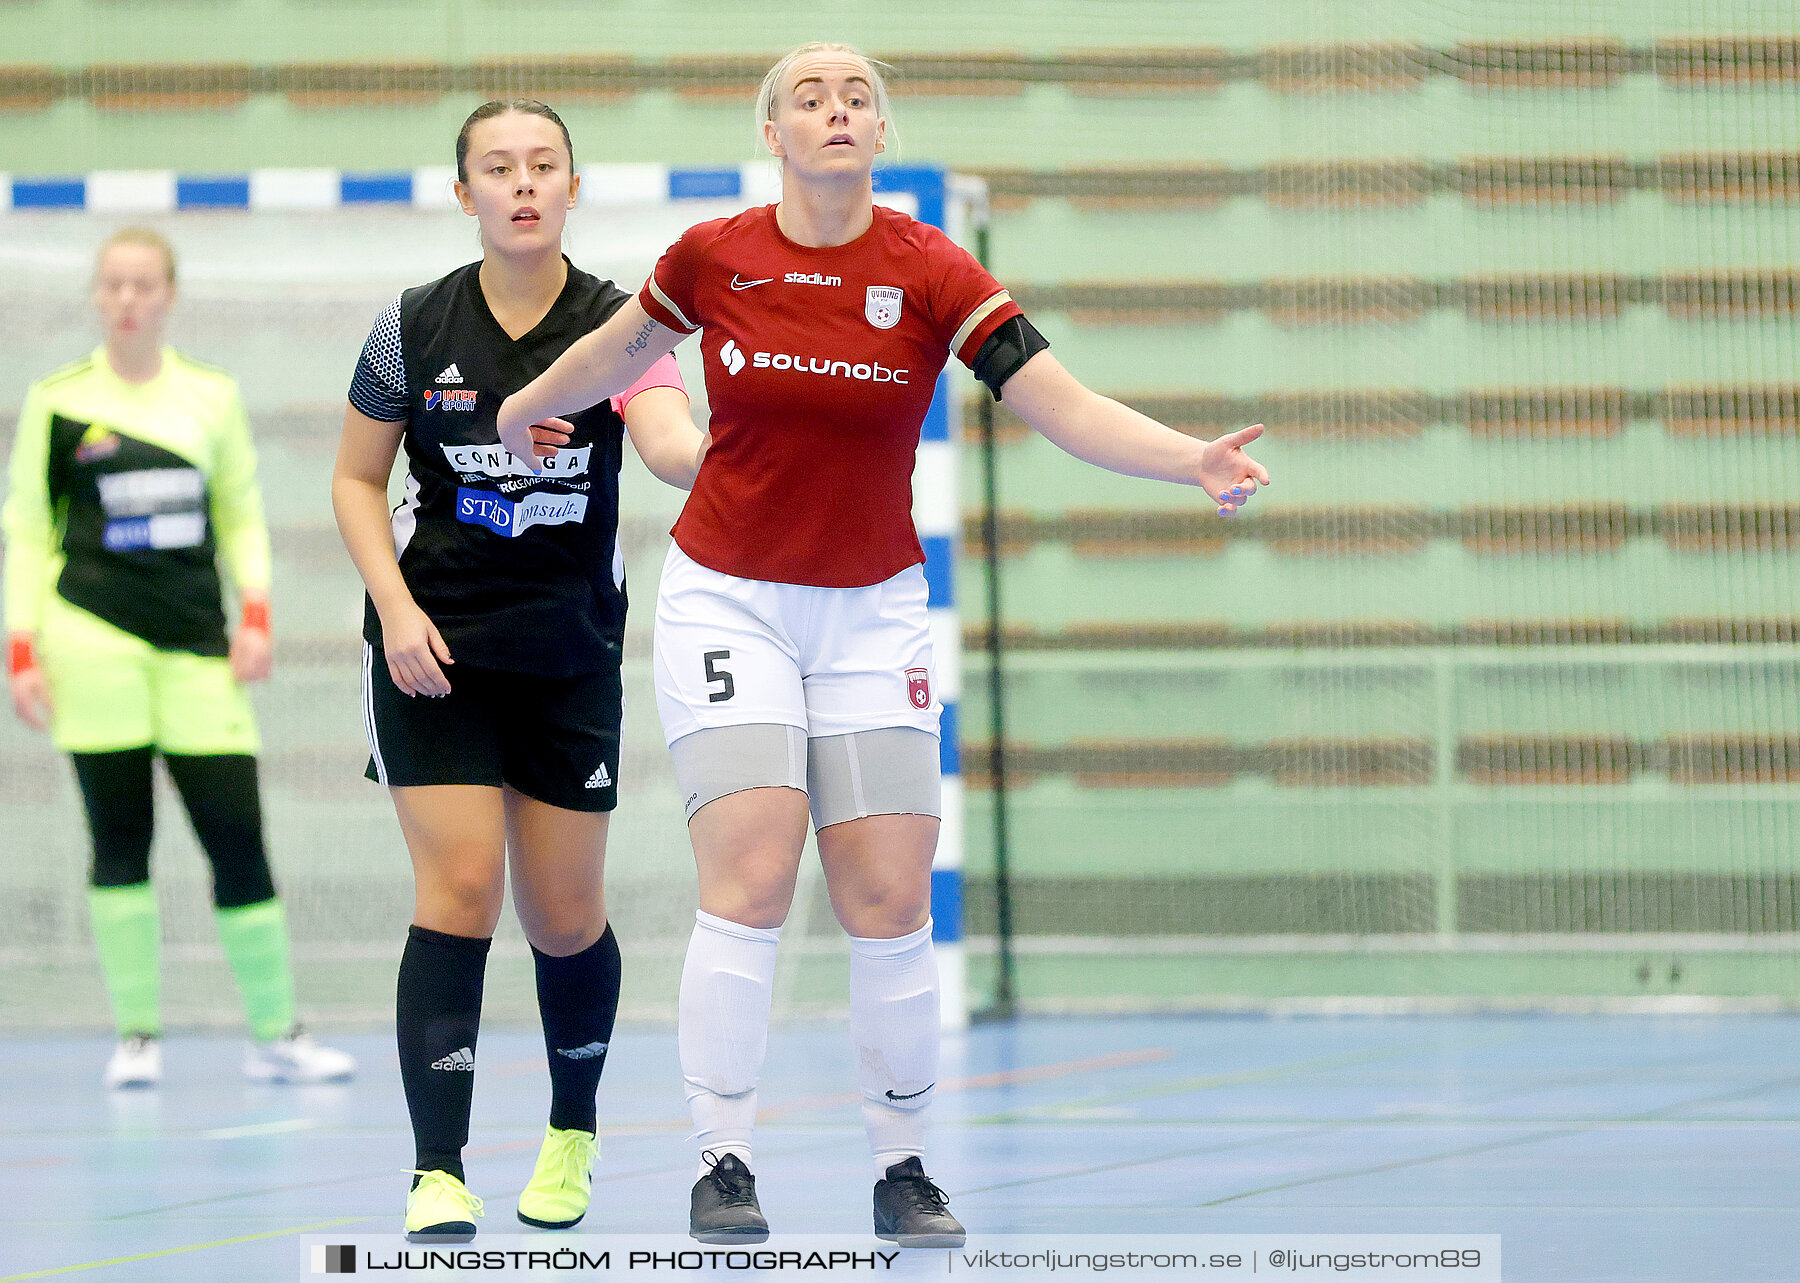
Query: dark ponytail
point(487, 110)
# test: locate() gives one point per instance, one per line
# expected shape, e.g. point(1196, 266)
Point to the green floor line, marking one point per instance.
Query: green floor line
point(190, 1247)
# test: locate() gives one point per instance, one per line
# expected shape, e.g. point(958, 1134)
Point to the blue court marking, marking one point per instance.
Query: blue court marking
point(49, 193)
point(940, 570)
point(202, 191)
point(395, 188)
point(704, 184)
point(946, 904)
point(922, 181)
point(949, 747)
point(936, 426)
point(1601, 1149)
point(213, 193)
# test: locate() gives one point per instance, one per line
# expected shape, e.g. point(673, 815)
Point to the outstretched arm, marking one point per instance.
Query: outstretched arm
point(1102, 432)
point(598, 365)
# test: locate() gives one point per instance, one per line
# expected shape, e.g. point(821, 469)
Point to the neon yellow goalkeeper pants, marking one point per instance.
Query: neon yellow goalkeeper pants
point(110, 690)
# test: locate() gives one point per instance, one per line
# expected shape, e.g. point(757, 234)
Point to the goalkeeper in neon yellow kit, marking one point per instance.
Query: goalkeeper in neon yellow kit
point(132, 477)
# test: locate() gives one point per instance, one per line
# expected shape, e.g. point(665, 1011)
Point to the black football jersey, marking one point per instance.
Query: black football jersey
point(137, 536)
point(519, 571)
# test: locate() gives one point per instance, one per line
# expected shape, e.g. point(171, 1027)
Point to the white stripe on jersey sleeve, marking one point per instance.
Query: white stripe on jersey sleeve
point(976, 317)
point(662, 298)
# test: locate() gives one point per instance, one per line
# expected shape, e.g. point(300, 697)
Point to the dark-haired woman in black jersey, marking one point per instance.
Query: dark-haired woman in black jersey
point(492, 636)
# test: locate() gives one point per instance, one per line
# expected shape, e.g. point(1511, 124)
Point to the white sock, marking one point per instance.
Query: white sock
point(894, 1028)
point(727, 985)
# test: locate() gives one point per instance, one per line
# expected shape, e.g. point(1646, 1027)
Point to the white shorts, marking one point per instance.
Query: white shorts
point(832, 661)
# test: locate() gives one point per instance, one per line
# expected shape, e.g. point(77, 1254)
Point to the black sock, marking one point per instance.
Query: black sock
point(578, 997)
point(437, 1015)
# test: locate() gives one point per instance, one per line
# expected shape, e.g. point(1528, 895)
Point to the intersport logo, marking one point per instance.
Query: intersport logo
point(733, 359)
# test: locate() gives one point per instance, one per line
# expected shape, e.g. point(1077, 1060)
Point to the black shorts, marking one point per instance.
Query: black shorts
point(555, 739)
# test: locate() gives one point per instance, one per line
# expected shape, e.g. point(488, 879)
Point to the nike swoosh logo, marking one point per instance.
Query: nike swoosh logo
point(914, 1095)
point(739, 283)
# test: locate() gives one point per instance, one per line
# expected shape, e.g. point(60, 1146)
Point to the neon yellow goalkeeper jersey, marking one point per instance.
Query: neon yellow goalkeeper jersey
point(125, 497)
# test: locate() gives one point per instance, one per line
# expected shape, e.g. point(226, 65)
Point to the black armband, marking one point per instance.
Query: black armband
point(1005, 350)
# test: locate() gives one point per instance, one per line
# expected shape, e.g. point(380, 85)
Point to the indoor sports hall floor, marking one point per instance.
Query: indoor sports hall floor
point(1600, 1148)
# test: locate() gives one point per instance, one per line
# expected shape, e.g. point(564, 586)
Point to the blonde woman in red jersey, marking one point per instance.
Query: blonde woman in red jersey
point(793, 660)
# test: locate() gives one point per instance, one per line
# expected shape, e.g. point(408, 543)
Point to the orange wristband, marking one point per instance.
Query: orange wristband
point(20, 656)
point(256, 616)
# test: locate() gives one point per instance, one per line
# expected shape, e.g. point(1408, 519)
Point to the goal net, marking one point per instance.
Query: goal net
point(281, 275)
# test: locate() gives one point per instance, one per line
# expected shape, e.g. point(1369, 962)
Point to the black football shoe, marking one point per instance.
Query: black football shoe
point(913, 1212)
point(723, 1208)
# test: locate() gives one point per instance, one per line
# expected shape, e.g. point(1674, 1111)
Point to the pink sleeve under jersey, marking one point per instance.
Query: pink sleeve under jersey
point(664, 374)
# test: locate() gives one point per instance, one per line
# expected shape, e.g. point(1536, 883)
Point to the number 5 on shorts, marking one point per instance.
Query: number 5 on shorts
point(714, 675)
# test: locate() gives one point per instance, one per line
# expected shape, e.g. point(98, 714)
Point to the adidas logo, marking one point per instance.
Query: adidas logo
point(462, 1058)
point(451, 374)
point(589, 1052)
point(599, 780)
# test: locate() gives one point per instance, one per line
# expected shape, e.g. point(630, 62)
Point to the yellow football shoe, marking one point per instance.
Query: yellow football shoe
point(563, 1181)
point(440, 1209)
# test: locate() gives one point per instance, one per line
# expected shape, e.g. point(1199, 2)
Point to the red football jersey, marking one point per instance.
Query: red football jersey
point(820, 365)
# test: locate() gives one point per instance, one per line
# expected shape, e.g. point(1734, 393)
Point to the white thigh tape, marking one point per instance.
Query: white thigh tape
point(893, 771)
point(722, 760)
